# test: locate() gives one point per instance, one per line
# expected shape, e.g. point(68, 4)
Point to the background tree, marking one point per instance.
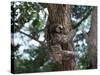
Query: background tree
point(92, 39)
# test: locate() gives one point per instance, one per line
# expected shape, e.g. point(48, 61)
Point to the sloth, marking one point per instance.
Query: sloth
point(57, 38)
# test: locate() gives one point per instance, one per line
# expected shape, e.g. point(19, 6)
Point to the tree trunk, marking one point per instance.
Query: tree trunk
point(59, 24)
point(92, 39)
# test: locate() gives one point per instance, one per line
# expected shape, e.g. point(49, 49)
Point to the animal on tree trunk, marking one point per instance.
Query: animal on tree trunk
point(60, 35)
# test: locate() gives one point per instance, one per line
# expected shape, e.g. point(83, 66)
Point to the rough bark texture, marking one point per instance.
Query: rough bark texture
point(60, 34)
point(92, 39)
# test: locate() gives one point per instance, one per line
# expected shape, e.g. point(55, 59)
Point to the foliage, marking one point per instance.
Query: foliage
point(28, 20)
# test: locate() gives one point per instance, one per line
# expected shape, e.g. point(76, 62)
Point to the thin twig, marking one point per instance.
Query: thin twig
point(32, 37)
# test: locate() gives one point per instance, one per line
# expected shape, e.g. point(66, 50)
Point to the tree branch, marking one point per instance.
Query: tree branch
point(88, 12)
point(69, 53)
point(32, 37)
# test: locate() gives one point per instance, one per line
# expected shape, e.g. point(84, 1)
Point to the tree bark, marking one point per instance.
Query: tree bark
point(92, 40)
point(60, 15)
